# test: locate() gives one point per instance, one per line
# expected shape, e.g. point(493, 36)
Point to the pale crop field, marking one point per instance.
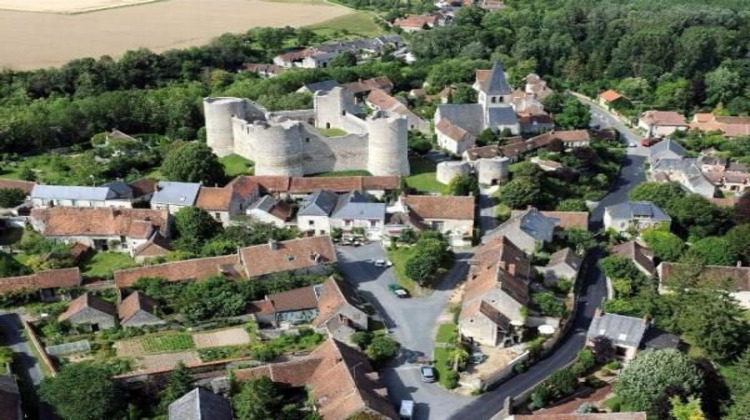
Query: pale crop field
point(66, 6)
point(33, 40)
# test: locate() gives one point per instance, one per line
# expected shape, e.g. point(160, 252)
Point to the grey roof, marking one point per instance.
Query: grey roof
point(63, 192)
point(659, 339)
point(637, 209)
point(325, 85)
point(496, 84)
point(531, 222)
point(503, 115)
point(566, 256)
point(319, 203)
point(120, 188)
point(264, 203)
point(200, 404)
point(470, 117)
point(177, 193)
point(666, 149)
point(355, 205)
point(622, 330)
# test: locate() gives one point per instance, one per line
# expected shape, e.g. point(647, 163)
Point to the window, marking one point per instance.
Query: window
point(347, 222)
point(307, 139)
point(343, 112)
point(311, 223)
point(328, 125)
point(373, 223)
point(494, 100)
point(217, 216)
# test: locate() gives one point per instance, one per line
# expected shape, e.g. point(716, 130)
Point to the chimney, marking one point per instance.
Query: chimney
point(273, 244)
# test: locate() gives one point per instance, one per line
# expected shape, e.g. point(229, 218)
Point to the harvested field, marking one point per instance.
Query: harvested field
point(66, 6)
point(34, 40)
point(164, 361)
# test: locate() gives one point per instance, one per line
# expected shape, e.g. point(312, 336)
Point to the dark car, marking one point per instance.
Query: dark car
point(398, 290)
point(427, 373)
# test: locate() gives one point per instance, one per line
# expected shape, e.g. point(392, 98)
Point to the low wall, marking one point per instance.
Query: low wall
point(39, 348)
point(504, 373)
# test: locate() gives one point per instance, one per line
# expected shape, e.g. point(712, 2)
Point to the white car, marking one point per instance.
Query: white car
point(382, 263)
point(632, 145)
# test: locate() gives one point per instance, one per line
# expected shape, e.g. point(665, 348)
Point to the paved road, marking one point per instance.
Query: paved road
point(487, 219)
point(12, 330)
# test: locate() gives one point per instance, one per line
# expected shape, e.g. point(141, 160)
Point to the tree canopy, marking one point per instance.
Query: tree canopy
point(82, 391)
point(192, 162)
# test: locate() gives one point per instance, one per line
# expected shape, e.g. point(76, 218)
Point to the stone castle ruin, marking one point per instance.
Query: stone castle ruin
point(289, 143)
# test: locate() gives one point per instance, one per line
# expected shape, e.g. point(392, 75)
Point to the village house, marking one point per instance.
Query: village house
point(451, 216)
point(340, 310)
point(495, 294)
point(156, 246)
point(453, 138)
point(379, 100)
point(516, 147)
point(173, 196)
point(301, 187)
point(625, 332)
point(200, 404)
point(635, 216)
point(535, 122)
point(312, 255)
point(726, 175)
point(531, 228)
point(322, 86)
point(739, 277)
point(563, 265)
point(661, 123)
point(320, 55)
point(91, 313)
point(609, 98)
point(43, 196)
point(642, 257)
point(138, 310)
point(50, 284)
point(247, 189)
point(263, 69)
point(196, 269)
point(730, 127)
point(221, 203)
point(669, 164)
point(102, 229)
point(268, 209)
point(342, 383)
point(361, 88)
point(324, 211)
point(296, 306)
point(415, 23)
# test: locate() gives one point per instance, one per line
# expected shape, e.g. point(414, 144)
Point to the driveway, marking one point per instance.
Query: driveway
point(12, 331)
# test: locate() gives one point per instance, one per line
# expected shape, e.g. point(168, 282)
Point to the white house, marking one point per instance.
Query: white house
point(268, 209)
point(451, 216)
point(637, 215)
point(221, 203)
point(43, 196)
point(173, 196)
point(324, 210)
point(661, 123)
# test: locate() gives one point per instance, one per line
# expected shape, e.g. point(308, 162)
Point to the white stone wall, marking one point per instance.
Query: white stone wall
point(448, 170)
point(264, 217)
point(218, 115)
point(373, 232)
point(491, 171)
point(39, 203)
point(388, 146)
point(320, 225)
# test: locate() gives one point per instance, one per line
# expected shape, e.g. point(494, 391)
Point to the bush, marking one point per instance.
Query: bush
point(587, 359)
point(450, 379)
point(362, 339)
point(613, 365)
point(382, 348)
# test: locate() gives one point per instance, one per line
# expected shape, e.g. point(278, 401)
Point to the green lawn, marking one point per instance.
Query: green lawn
point(359, 23)
point(332, 132)
point(399, 257)
point(423, 176)
point(48, 167)
point(447, 333)
point(353, 172)
point(103, 264)
point(237, 165)
point(167, 343)
point(442, 361)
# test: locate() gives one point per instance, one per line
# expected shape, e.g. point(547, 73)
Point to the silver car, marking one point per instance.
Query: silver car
point(428, 373)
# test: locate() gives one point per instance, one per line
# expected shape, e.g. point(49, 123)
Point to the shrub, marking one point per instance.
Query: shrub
point(587, 359)
point(450, 379)
point(382, 348)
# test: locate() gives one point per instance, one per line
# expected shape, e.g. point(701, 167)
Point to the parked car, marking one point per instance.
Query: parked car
point(427, 373)
point(477, 358)
point(406, 411)
point(382, 263)
point(398, 290)
point(631, 144)
point(649, 142)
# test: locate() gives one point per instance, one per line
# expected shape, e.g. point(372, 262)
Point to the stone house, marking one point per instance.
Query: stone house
point(90, 312)
point(625, 332)
point(739, 278)
point(731, 127)
point(642, 257)
point(138, 310)
point(661, 123)
point(221, 203)
point(453, 138)
point(496, 293)
point(304, 255)
point(314, 213)
point(609, 98)
point(635, 215)
point(666, 149)
point(268, 209)
point(415, 23)
point(451, 216)
point(247, 189)
point(324, 211)
point(43, 196)
point(173, 196)
point(564, 264)
point(156, 246)
point(102, 229)
point(340, 310)
point(528, 230)
point(49, 283)
point(196, 269)
point(379, 100)
point(200, 404)
point(296, 306)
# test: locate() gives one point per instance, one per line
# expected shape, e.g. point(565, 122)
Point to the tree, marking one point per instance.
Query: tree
point(645, 378)
point(520, 193)
point(486, 137)
point(690, 410)
point(572, 204)
point(362, 339)
point(713, 251)
point(673, 95)
point(666, 245)
point(82, 391)
point(178, 384)
point(419, 143)
point(257, 399)
point(195, 226)
point(11, 197)
point(661, 194)
point(464, 185)
point(738, 241)
point(722, 85)
point(581, 240)
point(549, 304)
point(574, 115)
point(699, 216)
point(554, 102)
point(27, 174)
point(345, 59)
point(382, 348)
point(192, 162)
point(562, 382)
point(603, 349)
point(421, 268)
point(627, 279)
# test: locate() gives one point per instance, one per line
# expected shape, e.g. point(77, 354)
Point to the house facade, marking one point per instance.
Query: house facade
point(221, 203)
point(451, 216)
point(268, 209)
point(90, 312)
point(661, 123)
point(624, 332)
point(50, 284)
point(173, 196)
point(635, 216)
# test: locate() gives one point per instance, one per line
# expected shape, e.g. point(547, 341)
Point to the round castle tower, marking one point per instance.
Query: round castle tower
point(493, 170)
point(218, 116)
point(448, 170)
point(278, 147)
point(388, 145)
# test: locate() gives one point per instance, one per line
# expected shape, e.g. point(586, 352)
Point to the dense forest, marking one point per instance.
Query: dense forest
point(683, 55)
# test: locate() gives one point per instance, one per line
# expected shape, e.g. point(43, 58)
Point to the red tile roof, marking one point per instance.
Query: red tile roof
point(195, 269)
point(50, 279)
point(499, 263)
point(143, 186)
point(334, 295)
point(246, 186)
point(338, 184)
point(84, 221)
point(441, 207)
point(292, 255)
point(24, 186)
point(215, 199)
point(452, 131)
point(365, 86)
point(416, 21)
point(610, 96)
point(636, 252)
point(87, 300)
point(135, 302)
point(568, 219)
point(669, 118)
point(740, 276)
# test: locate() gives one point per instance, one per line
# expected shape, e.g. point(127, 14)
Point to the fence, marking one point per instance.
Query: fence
point(39, 348)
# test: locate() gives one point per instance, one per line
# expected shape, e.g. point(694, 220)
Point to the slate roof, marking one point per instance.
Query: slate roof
point(637, 209)
point(441, 207)
point(503, 115)
point(658, 339)
point(291, 255)
point(200, 404)
point(272, 206)
point(176, 193)
point(531, 222)
point(325, 85)
point(64, 192)
point(101, 221)
point(470, 117)
point(621, 330)
point(495, 83)
point(354, 205)
point(119, 188)
point(49, 279)
point(320, 203)
point(87, 300)
point(666, 148)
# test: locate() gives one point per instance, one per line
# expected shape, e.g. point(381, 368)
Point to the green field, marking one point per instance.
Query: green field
point(399, 257)
point(424, 176)
point(359, 23)
point(332, 132)
point(237, 165)
point(103, 264)
point(446, 333)
point(167, 343)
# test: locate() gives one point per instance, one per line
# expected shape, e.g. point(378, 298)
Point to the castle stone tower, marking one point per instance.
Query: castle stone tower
point(218, 115)
point(279, 145)
point(493, 170)
point(388, 145)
